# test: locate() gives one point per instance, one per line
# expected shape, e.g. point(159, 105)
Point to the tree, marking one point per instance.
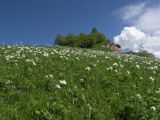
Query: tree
point(60, 40)
point(94, 30)
point(85, 42)
point(71, 40)
point(97, 36)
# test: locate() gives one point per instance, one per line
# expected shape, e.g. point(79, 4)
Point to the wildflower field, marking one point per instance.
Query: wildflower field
point(60, 83)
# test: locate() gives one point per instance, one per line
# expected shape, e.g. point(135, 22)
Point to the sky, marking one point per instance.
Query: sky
point(134, 24)
point(38, 21)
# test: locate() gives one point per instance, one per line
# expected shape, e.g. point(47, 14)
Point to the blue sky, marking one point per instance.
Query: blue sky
point(38, 21)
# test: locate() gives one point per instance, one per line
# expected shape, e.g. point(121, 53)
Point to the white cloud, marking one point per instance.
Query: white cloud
point(132, 11)
point(135, 40)
point(150, 20)
point(145, 30)
point(152, 45)
point(131, 38)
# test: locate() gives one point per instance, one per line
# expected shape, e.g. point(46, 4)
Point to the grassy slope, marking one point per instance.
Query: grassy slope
point(99, 47)
point(100, 85)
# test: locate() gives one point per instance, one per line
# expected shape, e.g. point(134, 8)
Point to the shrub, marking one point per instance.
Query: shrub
point(71, 40)
point(145, 53)
point(82, 40)
point(85, 41)
point(142, 53)
point(119, 46)
point(60, 40)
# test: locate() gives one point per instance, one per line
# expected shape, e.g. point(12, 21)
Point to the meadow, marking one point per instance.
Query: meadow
point(62, 83)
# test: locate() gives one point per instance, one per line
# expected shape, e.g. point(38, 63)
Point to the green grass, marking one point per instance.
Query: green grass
point(99, 46)
point(58, 83)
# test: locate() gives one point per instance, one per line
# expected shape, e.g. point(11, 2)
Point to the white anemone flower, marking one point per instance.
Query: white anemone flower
point(153, 108)
point(58, 86)
point(63, 82)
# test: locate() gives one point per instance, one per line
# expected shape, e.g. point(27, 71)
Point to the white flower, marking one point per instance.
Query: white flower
point(8, 57)
point(153, 108)
point(46, 76)
point(154, 72)
point(8, 82)
point(148, 91)
point(115, 64)
point(77, 58)
point(137, 66)
point(139, 96)
point(94, 65)
point(88, 68)
point(110, 68)
point(58, 86)
point(121, 66)
point(155, 67)
point(51, 76)
point(158, 91)
point(81, 80)
point(63, 82)
point(34, 63)
point(152, 79)
point(45, 54)
point(31, 61)
point(141, 78)
point(23, 56)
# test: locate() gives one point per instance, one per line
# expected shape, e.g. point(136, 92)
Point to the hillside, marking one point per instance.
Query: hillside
point(61, 83)
point(108, 47)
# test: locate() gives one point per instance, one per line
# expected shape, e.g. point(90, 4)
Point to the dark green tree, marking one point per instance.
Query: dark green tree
point(60, 40)
point(85, 41)
point(71, 40)
point(94, 30)
point(98, 37)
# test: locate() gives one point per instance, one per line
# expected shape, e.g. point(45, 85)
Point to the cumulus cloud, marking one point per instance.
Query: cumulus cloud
point(135, 40)
point(152, 45)
point(131, 38)
point(145, 30)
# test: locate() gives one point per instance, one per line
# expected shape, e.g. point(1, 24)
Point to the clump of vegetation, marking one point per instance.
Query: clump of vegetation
point(142, 53)
point(63, 83)
point(82, 40)
point(145, 53)
point(119, 46)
